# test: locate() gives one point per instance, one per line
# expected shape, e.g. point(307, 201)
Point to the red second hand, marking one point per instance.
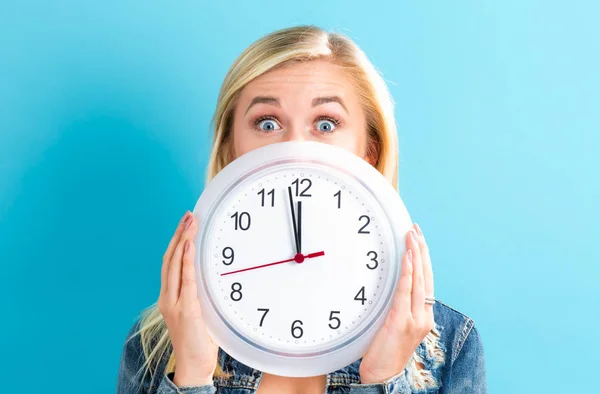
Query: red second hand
point(298, 258)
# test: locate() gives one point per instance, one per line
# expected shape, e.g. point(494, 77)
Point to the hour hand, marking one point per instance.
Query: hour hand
point(296, 239)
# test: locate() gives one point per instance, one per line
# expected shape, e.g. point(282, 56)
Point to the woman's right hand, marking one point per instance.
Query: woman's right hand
point(195, 352)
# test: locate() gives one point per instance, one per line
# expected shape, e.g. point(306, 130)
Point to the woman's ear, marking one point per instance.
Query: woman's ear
point(372, 160)
point(372, 151)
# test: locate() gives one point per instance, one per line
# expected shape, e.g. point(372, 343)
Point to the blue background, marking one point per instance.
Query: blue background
point(104, 139)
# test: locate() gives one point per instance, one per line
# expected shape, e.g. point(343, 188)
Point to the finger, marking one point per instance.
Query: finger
point(169, 252)
point(402, 299)
point(189, 291)
point(418, 293)
point(427, 267)
point(177, 236)
point(174, 275)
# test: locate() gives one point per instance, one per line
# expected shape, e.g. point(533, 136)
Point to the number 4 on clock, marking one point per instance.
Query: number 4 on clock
point(360, 296)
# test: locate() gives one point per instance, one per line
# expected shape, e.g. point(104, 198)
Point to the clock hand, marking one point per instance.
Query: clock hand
point(294, 220)
point(299, 258)
point(299, 226)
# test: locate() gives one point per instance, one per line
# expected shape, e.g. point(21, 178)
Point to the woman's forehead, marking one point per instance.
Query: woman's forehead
point(304, 81)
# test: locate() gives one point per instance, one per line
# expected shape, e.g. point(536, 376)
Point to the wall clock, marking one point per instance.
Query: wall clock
point(299, 249)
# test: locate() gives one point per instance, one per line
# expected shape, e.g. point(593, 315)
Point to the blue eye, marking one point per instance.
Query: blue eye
point(268, 125)
point(326, 126)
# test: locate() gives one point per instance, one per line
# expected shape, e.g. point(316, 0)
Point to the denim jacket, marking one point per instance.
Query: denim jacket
point(450, 358)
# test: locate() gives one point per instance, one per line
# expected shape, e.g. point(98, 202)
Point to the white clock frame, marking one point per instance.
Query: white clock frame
point(241, 347)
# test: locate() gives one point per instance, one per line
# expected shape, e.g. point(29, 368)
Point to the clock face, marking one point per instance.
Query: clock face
point(285, 302)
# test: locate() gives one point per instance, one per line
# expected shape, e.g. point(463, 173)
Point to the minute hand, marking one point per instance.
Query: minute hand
point(296, 238)
point(299, 226)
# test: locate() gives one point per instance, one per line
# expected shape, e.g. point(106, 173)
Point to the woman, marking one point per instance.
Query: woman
point(303, 83)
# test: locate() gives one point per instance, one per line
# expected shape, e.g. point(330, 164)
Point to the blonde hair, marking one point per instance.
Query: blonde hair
point(300, 43)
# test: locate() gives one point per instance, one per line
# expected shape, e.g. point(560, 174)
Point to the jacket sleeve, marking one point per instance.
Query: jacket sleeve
point(468, 374)
point(397, 384)
point(132, 380)
point(168, 387)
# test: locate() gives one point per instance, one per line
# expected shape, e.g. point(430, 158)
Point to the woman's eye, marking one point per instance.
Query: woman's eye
point(325, 126)
point(268, 125)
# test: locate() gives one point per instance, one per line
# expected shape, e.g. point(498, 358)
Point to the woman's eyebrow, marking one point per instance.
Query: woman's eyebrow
point(329, 99)
point(263, 100)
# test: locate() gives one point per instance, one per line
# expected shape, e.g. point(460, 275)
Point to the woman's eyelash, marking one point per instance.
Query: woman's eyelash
point(332, 119)
point(261, 118)
point(257, 121)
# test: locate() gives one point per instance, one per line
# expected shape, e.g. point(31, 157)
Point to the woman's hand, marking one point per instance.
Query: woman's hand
point(409, 319)
point(195, 353)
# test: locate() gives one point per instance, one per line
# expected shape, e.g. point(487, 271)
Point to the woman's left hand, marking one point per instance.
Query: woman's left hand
point(409, 319)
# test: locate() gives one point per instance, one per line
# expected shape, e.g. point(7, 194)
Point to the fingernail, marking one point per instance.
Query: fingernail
point(413, 236)
point(418, 229)
point(189, 221)
point(187, 245)
point(409, 255)
point(184, 218)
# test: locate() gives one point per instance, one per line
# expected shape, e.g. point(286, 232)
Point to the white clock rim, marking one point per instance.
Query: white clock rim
point(240, 347)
